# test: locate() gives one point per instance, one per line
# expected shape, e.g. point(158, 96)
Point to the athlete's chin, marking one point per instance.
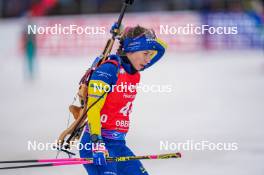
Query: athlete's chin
point(139, 67)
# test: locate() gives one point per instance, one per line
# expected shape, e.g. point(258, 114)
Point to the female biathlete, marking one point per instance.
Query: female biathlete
point(108, 119)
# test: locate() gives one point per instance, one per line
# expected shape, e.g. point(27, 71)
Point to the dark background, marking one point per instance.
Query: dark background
point(18, 8)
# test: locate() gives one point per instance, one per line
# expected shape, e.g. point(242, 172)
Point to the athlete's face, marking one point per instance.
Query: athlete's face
point(140, 58)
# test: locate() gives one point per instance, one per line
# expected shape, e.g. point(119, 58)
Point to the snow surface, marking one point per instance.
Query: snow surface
point(216, 96)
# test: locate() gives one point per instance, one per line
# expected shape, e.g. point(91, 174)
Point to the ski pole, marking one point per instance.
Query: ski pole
point(79, 161)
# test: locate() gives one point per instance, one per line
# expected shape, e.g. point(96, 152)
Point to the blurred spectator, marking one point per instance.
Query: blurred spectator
point(29, 48)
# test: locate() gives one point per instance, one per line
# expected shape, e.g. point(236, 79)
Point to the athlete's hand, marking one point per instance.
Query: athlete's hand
point(114, 28)
point(99, 152)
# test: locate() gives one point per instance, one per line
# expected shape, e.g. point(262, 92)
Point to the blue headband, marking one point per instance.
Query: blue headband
point(139, 44)
point(145, 42)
